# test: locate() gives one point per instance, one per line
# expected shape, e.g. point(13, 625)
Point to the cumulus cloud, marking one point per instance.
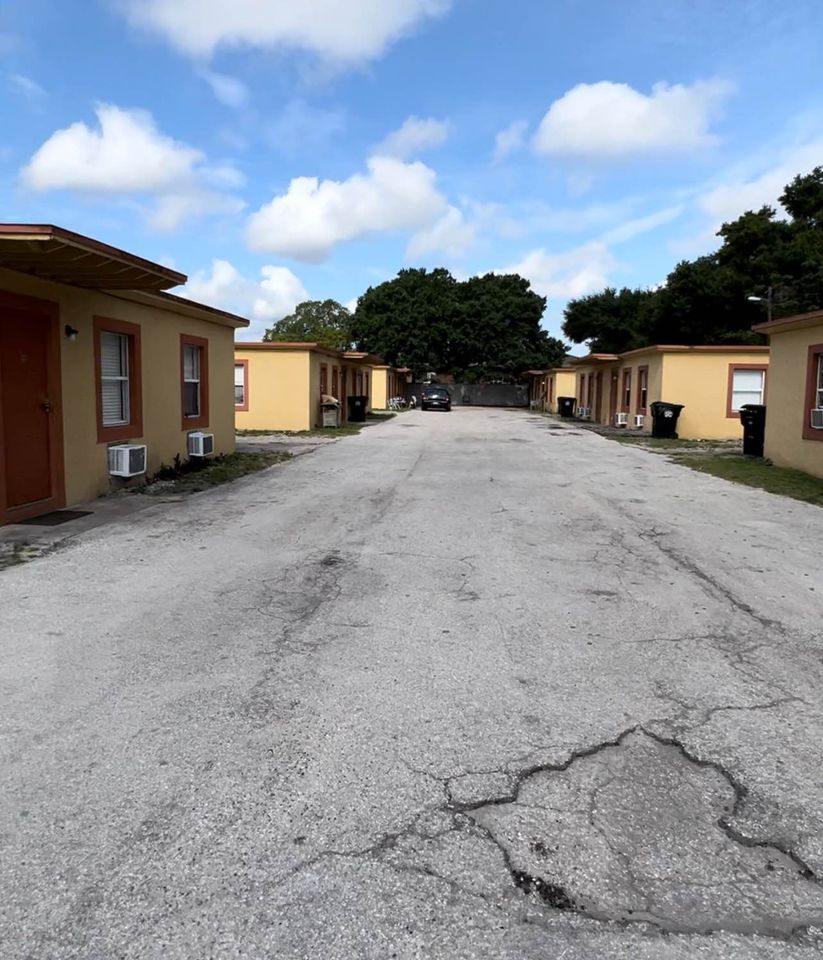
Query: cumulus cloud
point(572, 273)
point(509, 140)
point(450, 235)
point(228, 90)
point(126, 154)
point(314, 216)
point(415, 136)
point(264, 301)
point(613, 120)
point(358, 30)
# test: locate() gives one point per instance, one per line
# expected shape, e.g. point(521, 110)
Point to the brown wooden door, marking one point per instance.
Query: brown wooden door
point(29, 443)
point(613, 400)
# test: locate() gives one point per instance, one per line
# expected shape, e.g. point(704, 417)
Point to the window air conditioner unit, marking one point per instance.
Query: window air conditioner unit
point(639, 420)
point(200, 444)
point(127, 460)
point(587, 413)
point(578, 412)
point(817, 418)
point(621, 420)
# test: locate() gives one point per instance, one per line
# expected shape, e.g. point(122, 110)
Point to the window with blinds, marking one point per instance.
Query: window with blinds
point(191, 380)
point(240, 385)
point(747, 387)
point(114, 378)
point(819, 391)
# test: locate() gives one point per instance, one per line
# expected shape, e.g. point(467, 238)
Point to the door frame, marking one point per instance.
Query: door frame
point(51, 310)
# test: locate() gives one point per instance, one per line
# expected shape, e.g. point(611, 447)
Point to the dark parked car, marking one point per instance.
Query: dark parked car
point(435, 398)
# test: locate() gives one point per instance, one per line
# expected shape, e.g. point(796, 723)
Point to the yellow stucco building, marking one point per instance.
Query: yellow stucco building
point(712, 383)
point(545, 386)
point(794, 411)
point(279, 386)
point(94, 354)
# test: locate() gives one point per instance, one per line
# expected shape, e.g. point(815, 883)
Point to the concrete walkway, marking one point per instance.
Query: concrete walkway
point(464, 686)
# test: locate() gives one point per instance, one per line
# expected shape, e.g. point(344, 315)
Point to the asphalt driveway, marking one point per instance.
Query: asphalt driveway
point(467, 685)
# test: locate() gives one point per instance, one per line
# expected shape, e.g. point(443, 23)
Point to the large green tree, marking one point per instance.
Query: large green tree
point(326, 322)
point(479, 328)
point(707, 300)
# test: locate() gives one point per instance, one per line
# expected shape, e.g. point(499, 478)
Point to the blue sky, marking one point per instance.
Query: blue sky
point(275, 150)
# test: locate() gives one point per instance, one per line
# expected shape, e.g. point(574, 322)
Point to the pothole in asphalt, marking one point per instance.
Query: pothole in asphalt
point(332, 560)
point(637, 830)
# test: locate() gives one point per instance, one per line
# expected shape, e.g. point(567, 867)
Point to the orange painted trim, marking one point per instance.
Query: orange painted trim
point(195, 423)
point(244, 406)
point(642, 380)
point(134, 428)
point(20, 302)
point(735, 414)
point(814, 355)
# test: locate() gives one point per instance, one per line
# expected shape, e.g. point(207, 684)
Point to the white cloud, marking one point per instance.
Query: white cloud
point(573, 273)
point(415, 136)
point(510, 139)
point(450, 235)
point(357, 30)
point(738, 194)
point(26, 87)
point(314, 216)
point(263, 301)
point(228, 90)
point(351, 305)
point(640, 225)
point(126, 154)
point(613, 120)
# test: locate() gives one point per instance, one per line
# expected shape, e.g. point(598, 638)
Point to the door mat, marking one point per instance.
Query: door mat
point(55, 518)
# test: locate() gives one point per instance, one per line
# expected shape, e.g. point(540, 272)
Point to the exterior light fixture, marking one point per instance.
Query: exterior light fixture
point(71, 333)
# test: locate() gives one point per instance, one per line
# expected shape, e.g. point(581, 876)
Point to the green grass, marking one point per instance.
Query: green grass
point(218, 471)
point(662, 443)
point(758, 473)
point(344, 430)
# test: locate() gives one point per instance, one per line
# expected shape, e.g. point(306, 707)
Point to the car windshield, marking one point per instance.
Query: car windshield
point(436, 392)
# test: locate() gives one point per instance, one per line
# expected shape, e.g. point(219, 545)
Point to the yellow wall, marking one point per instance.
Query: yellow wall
point(786, 403)
point(701, 382)
point(86, 460)
point(564, 385)
point(278, 390)
point(380, 388)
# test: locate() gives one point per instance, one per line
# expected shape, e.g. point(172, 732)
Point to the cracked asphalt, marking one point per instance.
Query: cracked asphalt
point(468, 685)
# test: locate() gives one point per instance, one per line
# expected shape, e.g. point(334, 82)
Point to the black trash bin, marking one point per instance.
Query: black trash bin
point(664, 418)
point(357, 408)
point(753, 418)
point(565, 406)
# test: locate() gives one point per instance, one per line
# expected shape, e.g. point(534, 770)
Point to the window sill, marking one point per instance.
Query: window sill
point(126, 431)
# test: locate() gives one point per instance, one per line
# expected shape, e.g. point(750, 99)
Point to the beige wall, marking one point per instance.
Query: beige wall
point(279, 390)
point(786, 404)
point(701, 382)
point(564, 384)
point(85, 460)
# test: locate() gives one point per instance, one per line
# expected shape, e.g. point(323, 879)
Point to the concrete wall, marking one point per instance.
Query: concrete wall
point(562, 383)
point(480, 394)
point(380, 382)
point(786, 409)
point(278, 390)
point(86, 460)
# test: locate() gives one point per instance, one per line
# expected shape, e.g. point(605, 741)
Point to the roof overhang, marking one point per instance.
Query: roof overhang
point(179, 305)
point(51, 253)
point(797, 322)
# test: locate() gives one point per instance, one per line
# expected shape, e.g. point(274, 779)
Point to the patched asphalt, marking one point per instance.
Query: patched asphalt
point(482, 689)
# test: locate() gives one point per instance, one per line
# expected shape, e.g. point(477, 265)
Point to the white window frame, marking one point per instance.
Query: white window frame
point(737, 401)
point(123, 379)
point(241, 369)
point(197, 352)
